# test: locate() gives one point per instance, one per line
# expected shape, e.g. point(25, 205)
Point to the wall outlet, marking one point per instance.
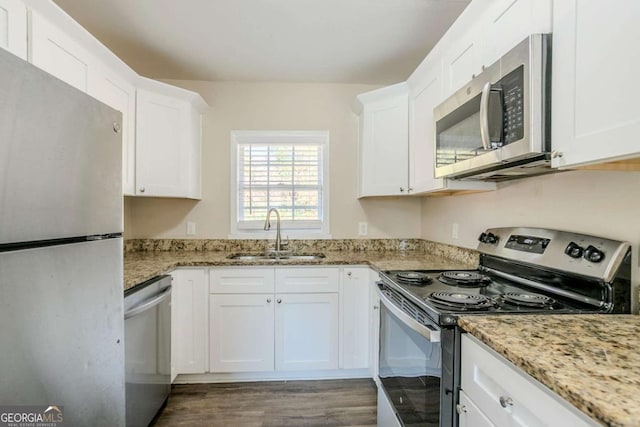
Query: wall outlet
point(363, 228)
point(191, 228)
point(455, 231)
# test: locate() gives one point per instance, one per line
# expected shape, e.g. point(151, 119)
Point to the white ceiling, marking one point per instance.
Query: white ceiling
point(341, 41)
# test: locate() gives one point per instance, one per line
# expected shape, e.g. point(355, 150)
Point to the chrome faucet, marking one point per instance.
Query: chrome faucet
point(267, 227)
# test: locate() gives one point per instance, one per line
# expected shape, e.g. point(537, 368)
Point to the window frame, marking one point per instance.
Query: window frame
point(266, 137)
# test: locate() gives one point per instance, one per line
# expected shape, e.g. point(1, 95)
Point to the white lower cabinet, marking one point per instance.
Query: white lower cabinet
point(266, 319)
point(306, 331)
point(470, 414)
point(241, 333)
point(189, 310)
point(506, 396)
point(355, 317)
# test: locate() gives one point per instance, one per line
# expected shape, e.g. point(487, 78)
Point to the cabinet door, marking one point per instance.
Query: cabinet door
point(306, 331)
point(58, 54)
point(470, 415)
point(241, 333)
point(384, 138)
point(355, 318)
point(119, 94)
point(13, 27)
point(189, 317)
point(194, 144)
point(162, 145)
point(511, 21)
point(595, 112)
point(425, 93)
point(374, 321)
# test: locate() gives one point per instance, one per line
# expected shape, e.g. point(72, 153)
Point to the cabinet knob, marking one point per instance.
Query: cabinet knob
point(349, 274)
point(376, 307)
point(116, 127)
point(278, 300)
point(402, 189)
point(556, 154)
point(409, 190)
point(506, 401)
point(268, 300)
point(142, 189)
point(460, 409)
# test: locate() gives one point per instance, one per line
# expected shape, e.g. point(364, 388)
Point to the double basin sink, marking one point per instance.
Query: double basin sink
point(276, 257)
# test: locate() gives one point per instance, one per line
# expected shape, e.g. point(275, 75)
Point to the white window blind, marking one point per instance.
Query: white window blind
point(284, 173)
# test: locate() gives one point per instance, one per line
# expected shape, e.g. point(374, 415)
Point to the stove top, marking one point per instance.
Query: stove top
point(478, 293)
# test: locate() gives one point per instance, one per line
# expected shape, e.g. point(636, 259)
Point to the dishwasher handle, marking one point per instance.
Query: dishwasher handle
point(146, 305)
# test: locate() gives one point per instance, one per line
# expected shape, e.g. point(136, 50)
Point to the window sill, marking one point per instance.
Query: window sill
point(284, 234)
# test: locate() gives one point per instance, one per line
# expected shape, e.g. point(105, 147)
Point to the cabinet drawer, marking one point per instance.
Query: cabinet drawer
point(306, 280)
point(241, 281)
point(487, 379)
point(470, 414)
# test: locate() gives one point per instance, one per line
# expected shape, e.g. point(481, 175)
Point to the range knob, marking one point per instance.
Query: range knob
point(593, 254)
point(574, 250)
point(488, 238)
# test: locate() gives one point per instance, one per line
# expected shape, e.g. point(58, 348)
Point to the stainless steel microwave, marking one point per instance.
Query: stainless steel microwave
point(497, 127)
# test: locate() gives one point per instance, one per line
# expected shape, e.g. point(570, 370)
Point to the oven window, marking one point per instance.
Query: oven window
point(410, 371)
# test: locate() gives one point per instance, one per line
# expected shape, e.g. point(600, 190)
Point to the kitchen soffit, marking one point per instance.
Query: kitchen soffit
point(339, 41)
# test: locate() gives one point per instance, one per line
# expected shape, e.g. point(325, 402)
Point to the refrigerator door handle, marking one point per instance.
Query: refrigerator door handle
point(146, 305)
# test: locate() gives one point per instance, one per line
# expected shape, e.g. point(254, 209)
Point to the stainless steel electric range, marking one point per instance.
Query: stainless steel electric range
point(521, 271)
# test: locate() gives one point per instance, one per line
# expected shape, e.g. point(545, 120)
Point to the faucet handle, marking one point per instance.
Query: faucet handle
point(285, 244)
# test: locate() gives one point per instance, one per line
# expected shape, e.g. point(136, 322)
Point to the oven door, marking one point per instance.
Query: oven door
point(410, 362)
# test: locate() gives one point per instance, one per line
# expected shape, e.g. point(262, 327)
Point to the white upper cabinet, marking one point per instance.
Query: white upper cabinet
point(167, 141)
point(463, 47)
point(53, 50)
point(511, 21)
point(119, 93)
point(595, 109)
point(13, 27)
point(425, 93)
point(383, 142)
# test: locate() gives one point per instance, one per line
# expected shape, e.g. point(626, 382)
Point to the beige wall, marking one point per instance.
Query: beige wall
point(274, 106)
point(590, 202)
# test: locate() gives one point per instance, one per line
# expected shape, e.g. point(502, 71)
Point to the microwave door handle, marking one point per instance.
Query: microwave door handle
point(484, 116)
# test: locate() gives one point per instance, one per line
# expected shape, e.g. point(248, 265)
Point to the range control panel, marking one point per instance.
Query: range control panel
point(536, 245)
point(561, 250)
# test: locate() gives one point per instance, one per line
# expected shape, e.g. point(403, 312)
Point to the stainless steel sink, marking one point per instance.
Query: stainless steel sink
point(270, 256)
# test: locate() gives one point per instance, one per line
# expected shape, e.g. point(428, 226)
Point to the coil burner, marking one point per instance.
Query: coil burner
point(469, 279)
point(529, 300)
point(461, 301)
point(413, 278)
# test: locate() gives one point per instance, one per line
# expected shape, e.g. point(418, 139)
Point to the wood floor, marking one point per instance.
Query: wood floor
point(270, 404)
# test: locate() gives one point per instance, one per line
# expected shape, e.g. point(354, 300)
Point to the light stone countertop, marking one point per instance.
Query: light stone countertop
point(142, 266)
point(592, 361)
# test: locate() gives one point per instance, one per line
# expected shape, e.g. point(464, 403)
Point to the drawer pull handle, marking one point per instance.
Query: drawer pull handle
point(461, 409)
point(506, 401)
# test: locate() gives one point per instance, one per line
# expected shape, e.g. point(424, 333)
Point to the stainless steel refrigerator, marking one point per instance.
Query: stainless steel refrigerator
point(61, 300)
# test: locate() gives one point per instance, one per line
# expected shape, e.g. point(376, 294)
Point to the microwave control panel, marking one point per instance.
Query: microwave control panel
point(512, 86)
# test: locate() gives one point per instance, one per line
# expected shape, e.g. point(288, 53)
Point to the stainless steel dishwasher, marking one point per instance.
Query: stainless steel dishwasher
point(147, 324)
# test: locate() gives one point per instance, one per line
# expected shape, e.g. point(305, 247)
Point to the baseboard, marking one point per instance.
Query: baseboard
point(272, 376)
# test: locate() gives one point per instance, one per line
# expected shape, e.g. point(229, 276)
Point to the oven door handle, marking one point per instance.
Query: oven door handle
point(430, 333)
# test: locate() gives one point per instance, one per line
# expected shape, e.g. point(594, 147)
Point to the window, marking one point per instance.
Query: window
point(283, 170)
